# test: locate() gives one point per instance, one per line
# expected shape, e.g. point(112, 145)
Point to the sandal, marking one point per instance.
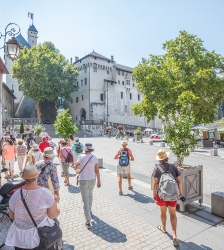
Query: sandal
point(120, 193)
point(130, 188)
point(175, 242)
point(6, 177)
point(160, 228)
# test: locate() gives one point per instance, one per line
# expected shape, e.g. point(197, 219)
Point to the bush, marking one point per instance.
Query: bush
point(63, 124)
point(138, 131)
point(21, 129)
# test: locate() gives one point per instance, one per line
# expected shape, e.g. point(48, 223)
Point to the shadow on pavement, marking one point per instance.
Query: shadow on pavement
point(73, 189)
point(106, 232)
point(191, 245)
point(140, 197)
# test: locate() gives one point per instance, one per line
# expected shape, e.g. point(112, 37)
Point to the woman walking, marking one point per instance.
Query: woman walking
point(162, 157)
point(43, 207)
point(66, 159)
point(37, 155)
point(48, 177)
point(88, 169)
point(70, 140)
point(44, 144)
point(9, 155)
point(77, 149)
point(21, 153)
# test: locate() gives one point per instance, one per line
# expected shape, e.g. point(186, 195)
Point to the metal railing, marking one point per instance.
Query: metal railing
point(17, 121)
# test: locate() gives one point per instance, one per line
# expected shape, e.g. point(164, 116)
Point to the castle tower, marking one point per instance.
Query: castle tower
point(32, 35)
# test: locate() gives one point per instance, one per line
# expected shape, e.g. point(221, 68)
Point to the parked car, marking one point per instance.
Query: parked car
point(46, 121)
point(157, 136)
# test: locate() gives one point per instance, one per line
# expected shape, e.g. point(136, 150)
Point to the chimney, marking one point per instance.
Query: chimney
point(71, 60)
point(112, 58)
point(76, 58)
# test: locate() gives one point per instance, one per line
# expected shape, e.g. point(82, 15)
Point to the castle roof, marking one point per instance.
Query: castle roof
point(94, 54)
point(22, 41)
point(124, 68)
point(32, 28)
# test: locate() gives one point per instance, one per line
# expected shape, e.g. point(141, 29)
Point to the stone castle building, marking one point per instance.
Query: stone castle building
point(107, 91)
point(23, 107)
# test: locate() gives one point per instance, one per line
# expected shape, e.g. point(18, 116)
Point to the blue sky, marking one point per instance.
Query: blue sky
point(127, 29)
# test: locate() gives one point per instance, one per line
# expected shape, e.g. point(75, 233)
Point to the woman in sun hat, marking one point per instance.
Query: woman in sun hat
point(162, 157)
point(37, 155)
point(21, 154)
point(124, 169)
point(48, 177)
point(43, 207)
point(88, 169)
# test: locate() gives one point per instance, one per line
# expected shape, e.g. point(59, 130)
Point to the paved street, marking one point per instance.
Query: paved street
point(130, 221)
point(145, 161)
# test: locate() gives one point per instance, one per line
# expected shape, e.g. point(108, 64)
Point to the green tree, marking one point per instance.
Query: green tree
point(63, 124)
point(186, 74)
point(44, 74)
point(21, 129)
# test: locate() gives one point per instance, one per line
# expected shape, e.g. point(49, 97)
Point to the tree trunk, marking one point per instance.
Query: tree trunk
point(46, 110)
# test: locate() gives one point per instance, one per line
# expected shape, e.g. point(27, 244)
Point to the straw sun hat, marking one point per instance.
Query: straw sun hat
point(162, 154)
point(30, 172)
point(124, 143)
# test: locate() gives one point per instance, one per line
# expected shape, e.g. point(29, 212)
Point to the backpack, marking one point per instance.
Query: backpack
point(124, 158)
point(167, 188)
point(78, 148)
point(69, 157)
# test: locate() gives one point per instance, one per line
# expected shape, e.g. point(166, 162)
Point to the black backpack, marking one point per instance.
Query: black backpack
point(69, 157)
point(78, 148)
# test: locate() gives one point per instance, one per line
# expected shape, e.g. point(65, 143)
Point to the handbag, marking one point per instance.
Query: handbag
point(48, 235)
point(77, 176)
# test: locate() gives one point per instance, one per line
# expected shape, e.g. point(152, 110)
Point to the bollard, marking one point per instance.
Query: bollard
point(141, 140)
point(214, 152)
point(150, 142)
point(162, 144)
point(84, 136)
point(100, 160)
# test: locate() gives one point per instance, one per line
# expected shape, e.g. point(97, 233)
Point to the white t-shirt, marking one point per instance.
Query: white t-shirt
point(88, 172)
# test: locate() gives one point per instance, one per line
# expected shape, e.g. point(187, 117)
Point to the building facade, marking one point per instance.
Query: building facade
point(106, 92)
point(8, 103)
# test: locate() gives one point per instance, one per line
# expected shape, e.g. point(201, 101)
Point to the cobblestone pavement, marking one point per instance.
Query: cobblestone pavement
point(213, 166)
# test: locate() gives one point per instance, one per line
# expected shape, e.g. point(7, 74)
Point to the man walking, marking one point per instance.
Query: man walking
point(124, 155)
point(30, 141)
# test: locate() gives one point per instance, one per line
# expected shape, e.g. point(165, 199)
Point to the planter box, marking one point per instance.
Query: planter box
point(192, 185)
point(208, 143)
point(217, 203)
point(150, 142)
point(138, 137)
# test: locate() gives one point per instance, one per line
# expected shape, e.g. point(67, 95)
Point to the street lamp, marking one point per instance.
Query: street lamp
point(11, 30)
point(13, 48)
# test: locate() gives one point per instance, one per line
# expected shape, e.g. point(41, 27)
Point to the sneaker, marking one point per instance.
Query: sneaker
point(88, 225)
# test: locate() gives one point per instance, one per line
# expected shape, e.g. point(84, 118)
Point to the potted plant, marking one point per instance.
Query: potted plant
point(138, 134)
point(38, 128)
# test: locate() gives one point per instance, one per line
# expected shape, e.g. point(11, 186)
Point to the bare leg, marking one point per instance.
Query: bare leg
point(173, 221)
point(129, 179)
point(163, 217)
point(12, 174)
point(120, 182)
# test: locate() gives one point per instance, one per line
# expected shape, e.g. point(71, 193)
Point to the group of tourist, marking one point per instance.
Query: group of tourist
point(41, 191)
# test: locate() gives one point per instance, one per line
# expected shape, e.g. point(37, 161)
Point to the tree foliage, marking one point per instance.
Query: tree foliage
point(179, 136)
point(44, 74)
point(63, 124)
point(38, 128)
point(185, 74)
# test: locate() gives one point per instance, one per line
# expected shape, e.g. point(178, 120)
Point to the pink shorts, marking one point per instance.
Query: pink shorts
point(160, 202)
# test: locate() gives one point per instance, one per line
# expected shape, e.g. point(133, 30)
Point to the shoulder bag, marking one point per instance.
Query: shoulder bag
point(48, 235)
point(77, 176)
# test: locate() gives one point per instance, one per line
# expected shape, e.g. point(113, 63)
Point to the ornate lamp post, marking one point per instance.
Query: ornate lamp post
point(12, 46)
